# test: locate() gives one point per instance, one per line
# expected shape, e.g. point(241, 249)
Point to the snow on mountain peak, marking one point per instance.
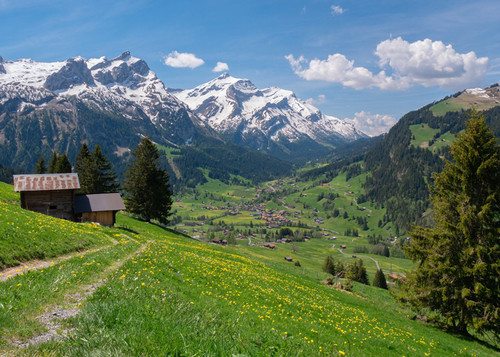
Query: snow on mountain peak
point(232, 105)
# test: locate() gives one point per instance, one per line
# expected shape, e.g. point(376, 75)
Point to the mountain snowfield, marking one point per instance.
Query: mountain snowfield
point(234, 106)
point(124, 85)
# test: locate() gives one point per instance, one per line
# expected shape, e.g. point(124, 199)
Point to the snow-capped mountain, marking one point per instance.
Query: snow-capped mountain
point(267, 119)
point(112, 103)
point(124, 85)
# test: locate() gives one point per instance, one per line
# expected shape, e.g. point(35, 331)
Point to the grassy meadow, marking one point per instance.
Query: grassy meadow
point(145, 290)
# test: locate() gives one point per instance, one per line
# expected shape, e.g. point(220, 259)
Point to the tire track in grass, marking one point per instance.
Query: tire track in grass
point(53, 319)
point(20, 269)
point(24, 267)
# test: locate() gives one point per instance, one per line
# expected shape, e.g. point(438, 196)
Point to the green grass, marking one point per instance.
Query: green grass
point(423, 133)
point(179, 296)
point(27, 235)
point(25, 296)
point(448, 105)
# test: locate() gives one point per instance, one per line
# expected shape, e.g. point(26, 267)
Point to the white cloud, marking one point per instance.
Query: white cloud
point(337, 68)
point(337, 10)
point(183, 60)
point(372, 124)
point(425, 63)
point(221, 67)
point(321, 99)
point(431, 63)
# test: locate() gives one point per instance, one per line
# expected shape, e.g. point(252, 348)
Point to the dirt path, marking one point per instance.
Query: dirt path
point(41, 264)
point(20, 269)
point(361, 256)
point(70, 306)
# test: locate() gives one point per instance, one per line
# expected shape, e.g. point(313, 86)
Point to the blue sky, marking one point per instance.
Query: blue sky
point(368, 61)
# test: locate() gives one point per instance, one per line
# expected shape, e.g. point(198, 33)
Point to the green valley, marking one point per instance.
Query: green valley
point(144, 290)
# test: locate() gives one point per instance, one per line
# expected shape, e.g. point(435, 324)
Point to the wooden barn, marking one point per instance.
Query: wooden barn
point(50, 194)
point(99, 208)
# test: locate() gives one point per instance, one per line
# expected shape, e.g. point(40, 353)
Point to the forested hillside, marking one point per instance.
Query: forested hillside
point(399, 168)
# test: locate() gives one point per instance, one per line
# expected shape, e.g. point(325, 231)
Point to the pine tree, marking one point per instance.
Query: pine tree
point(95, 171)
point(62, 164)
point(357, 272)
point(106, 178)
point(146, 184)
point(458, 271)
point(40, 167)
point(53, 163)
point(379, 280)
point(86, 170)
point(329, 265)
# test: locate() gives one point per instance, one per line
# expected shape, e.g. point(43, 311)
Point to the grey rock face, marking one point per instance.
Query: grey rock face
point(2, 69)
point(74, 72)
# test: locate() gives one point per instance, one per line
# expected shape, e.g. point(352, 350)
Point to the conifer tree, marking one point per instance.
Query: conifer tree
point(458, 271)
point(53, 163)
point(40, 167)
point(379, 280)
point(95, 172)
point(106, 178)
point(357, 272)
point(62, 164)
point(146, 184)
point(85, 168)
point(329, 265)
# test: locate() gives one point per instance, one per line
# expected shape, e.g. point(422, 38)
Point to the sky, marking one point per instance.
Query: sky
point(369, 62)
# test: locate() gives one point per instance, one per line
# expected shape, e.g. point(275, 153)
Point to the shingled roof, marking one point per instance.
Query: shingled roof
point(46, 182)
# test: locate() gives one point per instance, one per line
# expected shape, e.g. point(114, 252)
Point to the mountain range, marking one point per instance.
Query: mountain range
point(272, 120)
point(59, 105)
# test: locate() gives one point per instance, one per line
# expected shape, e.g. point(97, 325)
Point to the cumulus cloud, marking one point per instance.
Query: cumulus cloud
point(337, 10)
point(426, 63)
point(337, 68)
point(372, 124)
point(221, 67)
point(320, 100)
point(183, 60)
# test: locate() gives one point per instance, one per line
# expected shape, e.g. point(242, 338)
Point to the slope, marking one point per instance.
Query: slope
point(178, 296)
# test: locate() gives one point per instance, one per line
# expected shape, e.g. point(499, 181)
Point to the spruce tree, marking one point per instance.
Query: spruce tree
point(95, 171)
point(458, 260)
point(53, 163)
point(379, 280)
point(357, 272)
point(85, 168)
point(106, 178)
point(329, 265)
point(146, 184)
point(40, 167)
point(62, 164)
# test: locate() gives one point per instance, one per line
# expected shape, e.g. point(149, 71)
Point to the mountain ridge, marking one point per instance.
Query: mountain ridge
point(269, 119)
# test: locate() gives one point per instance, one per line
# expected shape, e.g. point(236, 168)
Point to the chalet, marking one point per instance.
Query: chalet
point(50, 194)
point(98, 208)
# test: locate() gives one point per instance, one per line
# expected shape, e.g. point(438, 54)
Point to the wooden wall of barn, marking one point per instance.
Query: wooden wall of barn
point(106, 218)
point(57, 204)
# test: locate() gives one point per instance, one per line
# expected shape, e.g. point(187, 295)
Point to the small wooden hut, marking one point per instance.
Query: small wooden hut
point(50, 194)
point(99, 208)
